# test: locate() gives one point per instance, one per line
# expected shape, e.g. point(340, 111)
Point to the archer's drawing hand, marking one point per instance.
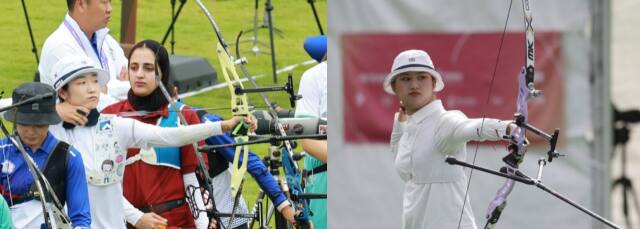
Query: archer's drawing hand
point(402, 114)
point(72, 114)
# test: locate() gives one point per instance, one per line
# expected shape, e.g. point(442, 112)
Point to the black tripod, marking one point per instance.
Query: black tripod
point(315, 15)
point(255, 43)
point(34, 50)
point(171, 29)
point(621, 137)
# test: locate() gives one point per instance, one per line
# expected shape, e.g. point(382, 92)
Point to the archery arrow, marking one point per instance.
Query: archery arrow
point(270, 139)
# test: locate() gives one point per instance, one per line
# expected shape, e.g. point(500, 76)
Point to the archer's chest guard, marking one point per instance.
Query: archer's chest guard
point(108, 154)
point(162, 156)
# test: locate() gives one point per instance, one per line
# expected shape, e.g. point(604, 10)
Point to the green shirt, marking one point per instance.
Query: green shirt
point(5, 215)
point(317, 184)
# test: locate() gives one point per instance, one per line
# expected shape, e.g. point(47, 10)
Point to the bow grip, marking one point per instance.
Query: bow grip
point(241, 129)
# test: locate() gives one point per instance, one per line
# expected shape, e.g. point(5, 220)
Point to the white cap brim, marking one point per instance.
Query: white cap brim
point(103, 76)
point(390, 77)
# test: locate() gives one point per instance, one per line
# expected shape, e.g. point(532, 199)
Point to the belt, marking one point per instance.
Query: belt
point(163, 207)
point(28, 196)
point(319, 169)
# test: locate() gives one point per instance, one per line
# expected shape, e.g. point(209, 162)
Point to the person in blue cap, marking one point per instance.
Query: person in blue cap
point(313, 88)
point(316, 47)
point(61, 163)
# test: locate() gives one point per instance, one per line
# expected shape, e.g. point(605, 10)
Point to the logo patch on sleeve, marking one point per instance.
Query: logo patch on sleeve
point(7, 167)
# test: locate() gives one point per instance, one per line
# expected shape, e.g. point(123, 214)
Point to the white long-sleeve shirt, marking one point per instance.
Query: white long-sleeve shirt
point(70, 40)
point(107, 201)
point(434, 190)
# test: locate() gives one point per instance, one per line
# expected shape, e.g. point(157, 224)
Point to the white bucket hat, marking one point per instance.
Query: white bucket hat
point(412, 61)
point(70, 67)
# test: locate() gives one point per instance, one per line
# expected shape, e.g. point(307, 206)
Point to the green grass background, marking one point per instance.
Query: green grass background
point(193, 34)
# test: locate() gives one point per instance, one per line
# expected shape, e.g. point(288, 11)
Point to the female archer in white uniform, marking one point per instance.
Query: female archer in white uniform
point(424, 133)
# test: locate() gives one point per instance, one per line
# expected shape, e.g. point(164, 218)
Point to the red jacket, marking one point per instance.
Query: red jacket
point(146, 184)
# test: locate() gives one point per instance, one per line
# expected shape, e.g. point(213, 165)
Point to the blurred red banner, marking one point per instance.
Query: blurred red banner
point(466, 62)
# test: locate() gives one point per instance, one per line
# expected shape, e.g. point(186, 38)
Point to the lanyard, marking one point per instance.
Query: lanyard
point(103, 60)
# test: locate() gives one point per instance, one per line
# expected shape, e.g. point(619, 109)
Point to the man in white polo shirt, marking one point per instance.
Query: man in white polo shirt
point(313, 88)
point(84, 32)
